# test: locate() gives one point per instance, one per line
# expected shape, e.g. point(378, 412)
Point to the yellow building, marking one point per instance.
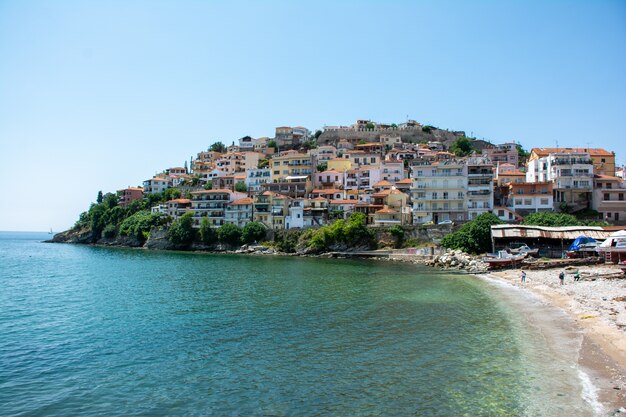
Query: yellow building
point(290, 164)
point(339, 164)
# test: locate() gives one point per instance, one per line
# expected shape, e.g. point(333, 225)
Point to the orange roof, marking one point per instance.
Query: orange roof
point(242, 201)
point(383, 183)
point(330, 171)
point(329, 191)
point(591, 151)
point(180, 201)
point(405, 181)
point(608, 177)
point(514, 173)
point(386, 210)
point(343, 201)
point(219, 190)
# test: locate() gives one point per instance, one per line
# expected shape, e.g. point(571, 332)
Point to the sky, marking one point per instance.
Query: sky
point(102, 95)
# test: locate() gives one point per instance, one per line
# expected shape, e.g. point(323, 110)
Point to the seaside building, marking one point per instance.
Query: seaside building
point(239, 212)
point(530, 197)
point(156, 185)
point(438, 191)
point(571, 174)
point(609, 199)
point(212, 204)
point(603, 161)
point(176, 208)
point(479, 186)
point(128, 195)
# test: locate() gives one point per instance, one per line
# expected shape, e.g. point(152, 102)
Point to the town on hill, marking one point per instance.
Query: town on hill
point(402, 175)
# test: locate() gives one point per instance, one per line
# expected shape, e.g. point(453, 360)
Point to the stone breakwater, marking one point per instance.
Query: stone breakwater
point(453, 260)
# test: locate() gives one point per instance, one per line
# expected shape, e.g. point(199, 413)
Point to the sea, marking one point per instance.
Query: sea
point(93, 331)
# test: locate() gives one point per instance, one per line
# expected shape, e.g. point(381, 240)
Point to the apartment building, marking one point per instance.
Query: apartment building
point(256, 177)
point(290, 164)
point(603, 161)
point(530, 197)
point(239, 212)
point(439, 190)
point(571, 174)
point(479, 186)
point(128, 195)
point(176, 208)
point(212, 204)
point(505, 153)
point(156, 185)
point(609, 198)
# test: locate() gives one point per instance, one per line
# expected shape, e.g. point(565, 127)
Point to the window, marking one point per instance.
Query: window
point(435, 196)
point(620, 196)
point(544, 201)
point(609, 186)
point(500, 213)
point(608, 215)
point(527, 202)
point(607, 196)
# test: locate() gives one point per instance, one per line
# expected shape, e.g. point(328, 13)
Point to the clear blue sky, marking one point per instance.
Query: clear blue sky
point(101, 95)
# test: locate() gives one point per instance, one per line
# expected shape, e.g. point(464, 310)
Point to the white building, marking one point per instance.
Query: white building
point(256, 177)
point(479, 186)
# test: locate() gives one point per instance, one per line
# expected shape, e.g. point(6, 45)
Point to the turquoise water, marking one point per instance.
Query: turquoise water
point(94, 331)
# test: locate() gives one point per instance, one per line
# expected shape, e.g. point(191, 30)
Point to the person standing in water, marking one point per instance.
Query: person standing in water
point(562, 277)
point(523, 277)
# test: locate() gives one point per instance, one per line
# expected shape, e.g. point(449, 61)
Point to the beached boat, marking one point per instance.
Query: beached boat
point(583, 247)
point(525, 250)
point(613, 249)
point(502, 259)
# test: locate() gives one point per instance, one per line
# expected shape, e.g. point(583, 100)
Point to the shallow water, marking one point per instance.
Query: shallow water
point(95, 331)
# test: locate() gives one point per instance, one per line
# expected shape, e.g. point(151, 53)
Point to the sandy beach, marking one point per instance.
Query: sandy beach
point(597, 306)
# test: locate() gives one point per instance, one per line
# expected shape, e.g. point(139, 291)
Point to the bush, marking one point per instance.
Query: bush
point(474, 236)
point(229, 234)
point(397, 232)
point(253, 232)
point(551, 219)
point(207, 233)
point(109, 231)
point(182, 232)
point(140, 223)
point(241, 187)
point(287, 240)
point(352, 233)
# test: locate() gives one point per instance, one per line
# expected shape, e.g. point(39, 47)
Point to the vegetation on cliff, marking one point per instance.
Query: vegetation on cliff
point(474, 236)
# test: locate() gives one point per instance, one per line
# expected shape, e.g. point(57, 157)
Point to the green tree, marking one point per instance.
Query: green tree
point(99, 197)
point(474, 236)
point(318, 133)
point(551, 219)
point(241, 187)
point(218, 147)
point(522, 153)
point(208, 185)
point(370, 125)
point(462, 147)
point(229, 233)
point(309, 144)
point(207, 233)
point(263, 163)
point(253, 232)
point(397, 232)
point(109, 231)
point(361, 142)
point(171, 194)
point(181, 231)
point(271, 144)
point(322, 167)
point(140, 224)
point(427, 129)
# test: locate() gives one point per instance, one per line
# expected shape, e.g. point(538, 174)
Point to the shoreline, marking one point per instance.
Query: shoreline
point(590, 307)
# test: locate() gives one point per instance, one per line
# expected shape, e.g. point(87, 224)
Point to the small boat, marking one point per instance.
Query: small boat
point(502, 259)
point(582, 247)
point(524, 249)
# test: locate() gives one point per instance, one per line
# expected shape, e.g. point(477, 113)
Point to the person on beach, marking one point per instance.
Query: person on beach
point(577, 276)
point(523, 276)
point(562, 277)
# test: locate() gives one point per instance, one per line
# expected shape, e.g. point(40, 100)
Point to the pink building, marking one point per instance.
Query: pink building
point(128, 195)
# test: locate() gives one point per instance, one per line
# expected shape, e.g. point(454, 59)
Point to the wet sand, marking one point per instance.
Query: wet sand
point(595, 308)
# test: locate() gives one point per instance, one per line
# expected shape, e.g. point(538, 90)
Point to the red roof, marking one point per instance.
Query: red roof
point(180, 201)
point(590, 151)
point(242, 201)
